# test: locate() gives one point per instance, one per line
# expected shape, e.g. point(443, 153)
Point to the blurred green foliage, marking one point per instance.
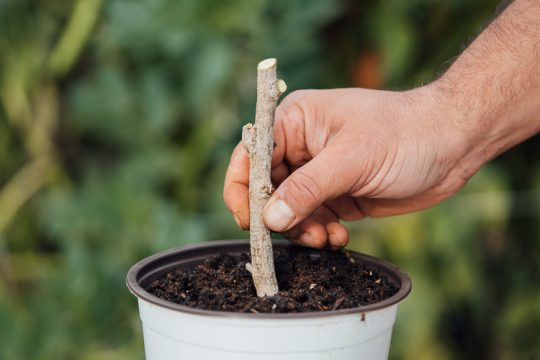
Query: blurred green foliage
point(117, 118)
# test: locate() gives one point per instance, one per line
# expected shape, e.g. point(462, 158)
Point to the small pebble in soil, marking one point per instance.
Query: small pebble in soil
point(331, 281)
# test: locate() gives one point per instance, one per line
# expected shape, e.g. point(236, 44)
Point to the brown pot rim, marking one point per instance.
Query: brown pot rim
point(165, 260)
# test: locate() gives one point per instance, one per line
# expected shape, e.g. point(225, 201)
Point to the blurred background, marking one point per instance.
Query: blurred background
point(117, 119)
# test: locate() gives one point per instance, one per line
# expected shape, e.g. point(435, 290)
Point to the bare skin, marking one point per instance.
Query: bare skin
point(345, 154)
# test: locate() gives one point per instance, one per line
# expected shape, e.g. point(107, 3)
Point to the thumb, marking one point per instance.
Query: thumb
point(304, 191)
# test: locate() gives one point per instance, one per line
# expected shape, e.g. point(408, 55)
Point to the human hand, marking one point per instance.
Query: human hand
point(345, 154)
point(350, 153)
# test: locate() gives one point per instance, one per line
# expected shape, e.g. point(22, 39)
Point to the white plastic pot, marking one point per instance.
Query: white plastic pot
point(173, 331)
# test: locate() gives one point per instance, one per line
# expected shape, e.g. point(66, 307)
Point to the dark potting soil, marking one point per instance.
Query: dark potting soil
point(331, 281)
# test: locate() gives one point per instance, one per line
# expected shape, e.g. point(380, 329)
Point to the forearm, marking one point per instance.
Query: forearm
point(493, 88)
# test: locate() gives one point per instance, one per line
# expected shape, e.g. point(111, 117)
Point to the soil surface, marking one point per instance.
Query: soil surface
point(331, 281)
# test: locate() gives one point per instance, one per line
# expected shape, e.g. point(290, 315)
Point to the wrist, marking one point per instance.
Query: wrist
point(488, 122)
point(457, 135)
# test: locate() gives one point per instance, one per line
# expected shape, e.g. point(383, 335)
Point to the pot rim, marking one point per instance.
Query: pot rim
point(135, 272)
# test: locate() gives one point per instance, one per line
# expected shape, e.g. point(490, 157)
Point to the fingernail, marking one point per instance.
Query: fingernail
point(278, 215)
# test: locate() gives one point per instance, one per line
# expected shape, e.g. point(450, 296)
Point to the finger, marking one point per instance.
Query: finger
point(309, 233)
point(304, 191)
point(346, 208)
point(290, 126)
point(338, 235)
point(236, 188)
point(279, 173)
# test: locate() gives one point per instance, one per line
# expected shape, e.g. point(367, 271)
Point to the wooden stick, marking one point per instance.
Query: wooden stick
point(258, 140)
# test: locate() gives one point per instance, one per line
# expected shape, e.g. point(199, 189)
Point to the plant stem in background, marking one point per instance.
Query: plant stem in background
point(258, 140)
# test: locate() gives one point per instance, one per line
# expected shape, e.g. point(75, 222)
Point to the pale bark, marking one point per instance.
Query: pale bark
point(258, 140)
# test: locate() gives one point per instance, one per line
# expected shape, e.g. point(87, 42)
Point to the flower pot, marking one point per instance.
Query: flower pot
point(173, 331)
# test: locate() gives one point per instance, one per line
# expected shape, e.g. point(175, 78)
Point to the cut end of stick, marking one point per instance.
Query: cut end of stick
point(267, 64)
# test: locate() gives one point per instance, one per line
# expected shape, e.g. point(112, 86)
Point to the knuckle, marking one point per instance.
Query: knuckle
point(297, 96)
point(304, 189)
point(294, 106)
point(289, 113)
